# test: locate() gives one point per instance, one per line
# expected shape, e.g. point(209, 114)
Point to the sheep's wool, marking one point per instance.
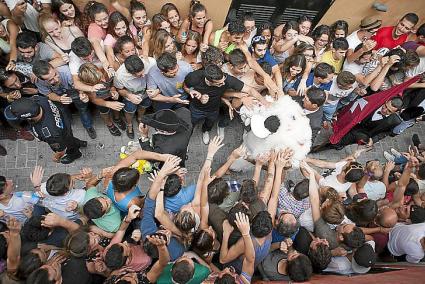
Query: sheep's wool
point(294, 132)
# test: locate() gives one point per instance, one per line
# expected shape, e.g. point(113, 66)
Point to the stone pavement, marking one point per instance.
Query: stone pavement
point(24, 155)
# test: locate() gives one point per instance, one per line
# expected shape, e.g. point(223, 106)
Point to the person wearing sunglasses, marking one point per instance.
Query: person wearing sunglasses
point(261, 53)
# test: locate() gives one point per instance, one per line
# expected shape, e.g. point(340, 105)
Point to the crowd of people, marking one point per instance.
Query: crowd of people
point(169, 73)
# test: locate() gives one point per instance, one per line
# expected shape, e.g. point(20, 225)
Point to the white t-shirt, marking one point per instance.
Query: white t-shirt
point(332, 180)
point(75, 62)
point(341, 264)
point(418, 69)
point(124, 80)
point(15, 208)
point(353, 67)
point(58, 204)
point(353, 40)
point(336, 93)
point(405, 239)
point(375, 190)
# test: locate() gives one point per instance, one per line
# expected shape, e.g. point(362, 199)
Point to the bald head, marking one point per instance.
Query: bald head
point(387, 217)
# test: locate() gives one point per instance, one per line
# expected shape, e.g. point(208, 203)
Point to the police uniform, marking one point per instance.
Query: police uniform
point(54, 126)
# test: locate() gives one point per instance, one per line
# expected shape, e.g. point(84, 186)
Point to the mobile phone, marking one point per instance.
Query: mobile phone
point(73, 94)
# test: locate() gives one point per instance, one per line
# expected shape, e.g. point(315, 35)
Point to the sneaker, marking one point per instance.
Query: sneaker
point(220, 132)
point(415, 140)
point(388, 157)
point(68, 159)
point(91, 132)
point(130, 132)
point(396, 153)
point(206, 137)
point(120, 123)
point(83, 144)
point(114, 130)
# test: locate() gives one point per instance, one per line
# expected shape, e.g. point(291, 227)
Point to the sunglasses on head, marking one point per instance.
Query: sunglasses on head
point(2, 184)
point(258, 39)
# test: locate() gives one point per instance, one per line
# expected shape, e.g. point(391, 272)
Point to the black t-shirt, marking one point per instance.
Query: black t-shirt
point(74, 270)
point(196, 80)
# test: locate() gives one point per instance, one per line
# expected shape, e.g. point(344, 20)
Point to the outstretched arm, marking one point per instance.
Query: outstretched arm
point(313, 191)
point(242, 221)
point(236, 154)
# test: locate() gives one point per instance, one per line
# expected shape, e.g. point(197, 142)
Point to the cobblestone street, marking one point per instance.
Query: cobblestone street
point(24, 155)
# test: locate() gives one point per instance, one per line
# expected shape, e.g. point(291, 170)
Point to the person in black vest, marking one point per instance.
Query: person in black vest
point(173, 131)
point(48, 123)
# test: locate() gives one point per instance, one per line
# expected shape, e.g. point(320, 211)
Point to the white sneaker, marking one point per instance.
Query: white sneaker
point(206, 137)
point(220, 132)
point(389, 157)
point(395, 153)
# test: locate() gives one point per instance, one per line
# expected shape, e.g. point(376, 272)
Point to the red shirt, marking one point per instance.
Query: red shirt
point(384, 38)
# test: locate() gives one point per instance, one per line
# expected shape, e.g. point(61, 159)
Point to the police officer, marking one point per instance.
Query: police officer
point(48, 123)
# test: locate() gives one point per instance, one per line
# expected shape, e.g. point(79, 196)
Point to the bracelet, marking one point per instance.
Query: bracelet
point(209, 159)
point(125, 220)
point(99, 176)
point(245, 235)
point(37, 186)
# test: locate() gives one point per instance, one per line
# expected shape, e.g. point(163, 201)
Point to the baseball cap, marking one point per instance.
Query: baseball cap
point(24, 108)
point(417, 214)
point(364, 258)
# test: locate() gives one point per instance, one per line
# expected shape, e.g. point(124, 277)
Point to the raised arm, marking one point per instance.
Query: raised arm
point(236, 154)
point(141, 155)
point(133, 213)
point(13, 245)
point(320, 163)
point(242, 221)
point(404, 181)
point(164, 258)
point(268, 184)
point(170, 166)
point(228, 254)
point(283, 159)
point(313, 191)
point(162, 216)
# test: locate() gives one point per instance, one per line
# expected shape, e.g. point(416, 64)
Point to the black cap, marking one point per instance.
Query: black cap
point(365, 255)
point(24, 108)
point(417, 214)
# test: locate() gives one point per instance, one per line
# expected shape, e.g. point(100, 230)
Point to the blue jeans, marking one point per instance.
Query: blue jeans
point(85, 116)
point(328, 111)
point(209, 118)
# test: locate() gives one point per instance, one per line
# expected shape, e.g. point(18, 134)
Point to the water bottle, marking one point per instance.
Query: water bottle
point(184, 37)
point(28, 196)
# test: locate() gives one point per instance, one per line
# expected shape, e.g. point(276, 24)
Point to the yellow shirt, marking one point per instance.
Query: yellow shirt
point(327, 57)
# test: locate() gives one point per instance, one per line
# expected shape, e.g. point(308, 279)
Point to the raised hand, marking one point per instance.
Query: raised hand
point(239, 152)
point(37, 176)
point(215, 145)
point(242, 222)
point(170, 166)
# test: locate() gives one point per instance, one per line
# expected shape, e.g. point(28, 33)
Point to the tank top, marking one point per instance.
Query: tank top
point(122, 205)
point(203, 30)
point(261, 251)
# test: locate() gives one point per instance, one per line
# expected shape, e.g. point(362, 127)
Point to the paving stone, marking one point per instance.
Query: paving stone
point(24, 155)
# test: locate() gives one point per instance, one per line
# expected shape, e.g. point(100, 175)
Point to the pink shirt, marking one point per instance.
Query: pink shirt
point(111, 40)
point(139, 259)
point(95, 31)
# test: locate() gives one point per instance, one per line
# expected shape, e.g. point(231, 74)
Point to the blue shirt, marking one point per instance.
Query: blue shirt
point(324, 87)
point(149, 227)
point(183, 197)
point(277, 238)
point(267, 58)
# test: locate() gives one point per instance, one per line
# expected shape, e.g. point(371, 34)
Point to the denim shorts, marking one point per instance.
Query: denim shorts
point(130, 107)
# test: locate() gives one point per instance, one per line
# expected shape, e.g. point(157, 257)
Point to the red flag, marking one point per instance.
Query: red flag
point(361, 108)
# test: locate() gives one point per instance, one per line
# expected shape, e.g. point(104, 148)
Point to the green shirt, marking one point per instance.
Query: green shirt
point(201, 273)
point(109, 222)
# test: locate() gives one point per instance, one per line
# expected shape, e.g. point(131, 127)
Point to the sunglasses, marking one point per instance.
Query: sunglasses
point(2, 184)
point(259, 39)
